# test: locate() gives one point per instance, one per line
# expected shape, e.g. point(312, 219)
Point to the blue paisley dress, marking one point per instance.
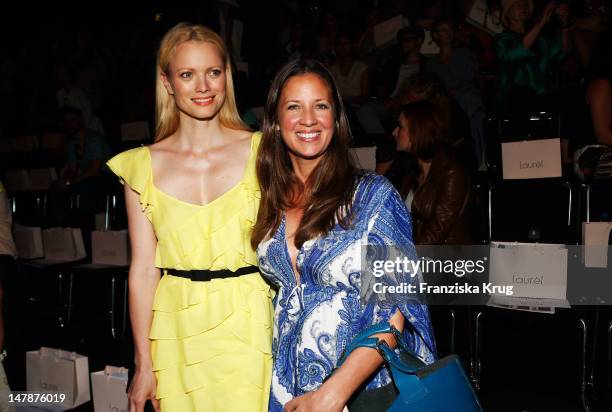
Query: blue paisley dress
point(317, 318)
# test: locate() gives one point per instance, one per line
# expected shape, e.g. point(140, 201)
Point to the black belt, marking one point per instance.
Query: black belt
point(204, 275)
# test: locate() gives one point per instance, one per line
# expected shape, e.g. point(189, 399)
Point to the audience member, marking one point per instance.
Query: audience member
point(599, 92)
point(375, 116)
point(70, 94)
point(327, 37)
point(407, 62)
point(442, 186)
point(351, 75)
point(589, 20)
point(457, 68)
point(366, 44)
point(427, 86)
point(86, 149)
point(527, 57)
point(8, 253)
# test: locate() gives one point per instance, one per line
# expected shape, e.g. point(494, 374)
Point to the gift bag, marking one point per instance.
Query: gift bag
point(596, 237)
point(28, 241)
point(60, 372)
point(109, 389)
point(110, 247)
point(63, 244)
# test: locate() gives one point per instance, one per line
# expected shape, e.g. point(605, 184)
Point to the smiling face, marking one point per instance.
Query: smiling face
point(306, 117)
point(196, 78)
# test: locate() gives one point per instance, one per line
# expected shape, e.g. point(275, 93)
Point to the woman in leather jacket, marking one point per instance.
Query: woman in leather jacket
point(440, 205)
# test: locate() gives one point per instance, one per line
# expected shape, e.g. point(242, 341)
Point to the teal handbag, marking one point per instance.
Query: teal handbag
point(441, 386)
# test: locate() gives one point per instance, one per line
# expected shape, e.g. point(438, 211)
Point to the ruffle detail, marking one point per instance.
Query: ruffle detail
point(134, 168)
point(237, 393)
point(214, 238)
point(204, 333)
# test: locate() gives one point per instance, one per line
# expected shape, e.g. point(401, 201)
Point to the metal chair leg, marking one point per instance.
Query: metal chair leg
point(453, 324)
point(583, 373)
point(475, 362)
point(112, 307)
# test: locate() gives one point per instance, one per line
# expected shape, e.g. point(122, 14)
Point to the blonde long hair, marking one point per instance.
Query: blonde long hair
point(166, 112)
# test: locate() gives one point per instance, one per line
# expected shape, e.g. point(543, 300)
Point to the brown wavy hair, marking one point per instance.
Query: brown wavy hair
point(329, 189)
point(425, 127)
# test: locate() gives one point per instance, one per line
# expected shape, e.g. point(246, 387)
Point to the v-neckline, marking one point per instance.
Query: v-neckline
point(216, 199)
point(297, 279)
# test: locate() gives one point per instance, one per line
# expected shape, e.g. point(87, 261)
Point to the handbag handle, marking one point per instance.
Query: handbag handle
point(365, 340)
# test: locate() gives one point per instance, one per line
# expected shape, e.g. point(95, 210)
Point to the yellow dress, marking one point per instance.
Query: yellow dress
point(211, 340)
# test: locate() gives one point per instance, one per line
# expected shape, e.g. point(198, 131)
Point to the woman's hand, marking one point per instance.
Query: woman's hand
point(547, 13)
point(563, 13)
point(315, 401)
point(142, 389)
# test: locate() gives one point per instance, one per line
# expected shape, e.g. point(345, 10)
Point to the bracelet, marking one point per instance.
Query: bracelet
point(3, 355)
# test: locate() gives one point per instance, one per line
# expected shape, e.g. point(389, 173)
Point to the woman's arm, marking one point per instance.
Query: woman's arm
point(143, 279)
point(532, 35)
point(509, 48)
point(334, 394)
point(390, 222)
point(599, 97)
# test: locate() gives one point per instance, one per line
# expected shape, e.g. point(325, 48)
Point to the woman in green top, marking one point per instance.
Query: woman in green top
point(525, 56)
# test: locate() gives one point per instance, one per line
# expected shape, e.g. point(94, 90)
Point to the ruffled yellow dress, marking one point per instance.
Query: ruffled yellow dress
point(211, 340)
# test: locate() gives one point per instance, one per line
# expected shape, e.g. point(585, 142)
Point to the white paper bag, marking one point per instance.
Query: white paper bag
point(28, 241)
point(110, 247)
point(596, 236)
point(63, 244)
point(531, 159)
point(385, 32)
point(109, 389)
point(364, 157)
point(534, 270)
point(135, 131)
point(61, 372)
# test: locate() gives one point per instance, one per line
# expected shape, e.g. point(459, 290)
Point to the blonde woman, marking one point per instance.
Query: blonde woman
point(200, 311)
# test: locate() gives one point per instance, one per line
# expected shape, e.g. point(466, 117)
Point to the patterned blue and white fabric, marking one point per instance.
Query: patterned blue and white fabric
point(318, 317)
